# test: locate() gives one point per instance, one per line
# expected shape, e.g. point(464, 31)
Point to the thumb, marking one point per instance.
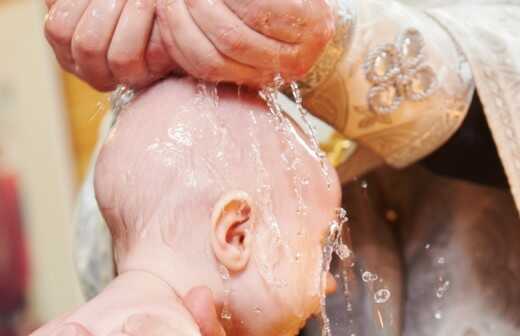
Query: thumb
point(201, 304)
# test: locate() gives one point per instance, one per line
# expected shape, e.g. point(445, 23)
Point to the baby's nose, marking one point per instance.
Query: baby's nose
point(331, 284)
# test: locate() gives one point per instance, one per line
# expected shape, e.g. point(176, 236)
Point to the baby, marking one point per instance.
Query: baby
point(206, 189)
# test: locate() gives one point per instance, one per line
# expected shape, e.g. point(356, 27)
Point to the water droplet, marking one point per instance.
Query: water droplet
point(382, 295)
point(441, 261)
point(369, 277)
point(311, 132)
point(438, 315)
point(443, 288)
point(226, 314)
point(364, 184)
point(224, 273)
point(343, 251)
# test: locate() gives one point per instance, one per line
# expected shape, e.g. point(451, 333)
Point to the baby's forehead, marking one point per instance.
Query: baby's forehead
point(177, 129)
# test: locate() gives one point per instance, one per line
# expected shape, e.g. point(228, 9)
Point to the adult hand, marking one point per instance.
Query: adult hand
point(108, 42)
point(200, 303)
point(245, 41)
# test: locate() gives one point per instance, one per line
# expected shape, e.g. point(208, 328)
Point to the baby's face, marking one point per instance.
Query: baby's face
point(300, 270)
point(292, 265)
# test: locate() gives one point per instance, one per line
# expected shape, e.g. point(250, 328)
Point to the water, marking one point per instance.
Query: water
point(382, 296)
point(264, 195)
point(369, 277)
point(120, 98)
point(311, 132)
point(270, 95)
point(443, 288)
point(328, 249)
point(333, 244)
point(224, 275)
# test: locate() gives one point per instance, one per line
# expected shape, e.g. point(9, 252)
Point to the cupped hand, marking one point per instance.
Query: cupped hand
point(245, 41)
point(111, 42)
point(108, 42)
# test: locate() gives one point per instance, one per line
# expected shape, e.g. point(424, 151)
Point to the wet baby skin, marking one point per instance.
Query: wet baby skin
point(206, 189)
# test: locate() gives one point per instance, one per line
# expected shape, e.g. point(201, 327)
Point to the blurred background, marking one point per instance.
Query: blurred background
point(48, 128)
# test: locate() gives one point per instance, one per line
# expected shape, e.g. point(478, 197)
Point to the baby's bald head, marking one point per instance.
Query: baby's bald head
point(176, 148)
point(184, 168)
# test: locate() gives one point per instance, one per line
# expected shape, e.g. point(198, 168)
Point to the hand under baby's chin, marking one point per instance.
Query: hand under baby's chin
point(135, 303)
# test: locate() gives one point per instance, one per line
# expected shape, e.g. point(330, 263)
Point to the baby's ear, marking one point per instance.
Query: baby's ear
point(231, 234)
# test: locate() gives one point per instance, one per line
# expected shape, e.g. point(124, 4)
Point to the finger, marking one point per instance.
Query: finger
point(72, 329)
point(158, 60)
point(236, 40)
point(143, 324)
point(50, 327)
point(281, 20)
point(167, 38)
point(60, 24)
point(151, 325)
point(194, 52)
point(92, 39)
point(200, 303)
point(49, 3)
point(126, 54)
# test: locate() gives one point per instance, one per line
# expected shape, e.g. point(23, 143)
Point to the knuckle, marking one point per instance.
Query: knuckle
point(55, 33)
point(209, 70)
point(120, 62)
point(88, 48)
point(191, 3)
point(156, 53)
point(292, 60)
point(102, 86)
point(324, 31)
point(230, 41)
point(297, 7)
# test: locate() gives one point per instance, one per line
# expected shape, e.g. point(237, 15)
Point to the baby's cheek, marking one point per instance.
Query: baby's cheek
point(312, 278)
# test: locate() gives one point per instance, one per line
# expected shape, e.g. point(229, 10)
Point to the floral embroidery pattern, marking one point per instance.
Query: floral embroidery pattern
point(397, 72)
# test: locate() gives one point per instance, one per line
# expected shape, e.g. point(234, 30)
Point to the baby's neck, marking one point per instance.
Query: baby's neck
point(180, 271)
point(137, 302)
point(148, 292)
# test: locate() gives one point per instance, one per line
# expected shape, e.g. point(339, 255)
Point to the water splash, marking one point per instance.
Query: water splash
point(270, 94)
point(443, 289)
point(311, 132)
point(264, 194)
point(382, 296)
point(224, 275)
point(120, 98)
point(333, 244)
point(369, 276)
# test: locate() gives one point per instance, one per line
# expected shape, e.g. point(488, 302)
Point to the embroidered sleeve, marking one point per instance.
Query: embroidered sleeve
point(401, 86)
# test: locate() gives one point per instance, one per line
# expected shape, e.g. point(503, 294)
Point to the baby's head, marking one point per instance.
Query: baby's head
point(207, 191)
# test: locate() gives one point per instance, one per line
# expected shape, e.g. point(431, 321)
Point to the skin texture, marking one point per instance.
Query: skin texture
point(136, 42)
point(183, 194)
